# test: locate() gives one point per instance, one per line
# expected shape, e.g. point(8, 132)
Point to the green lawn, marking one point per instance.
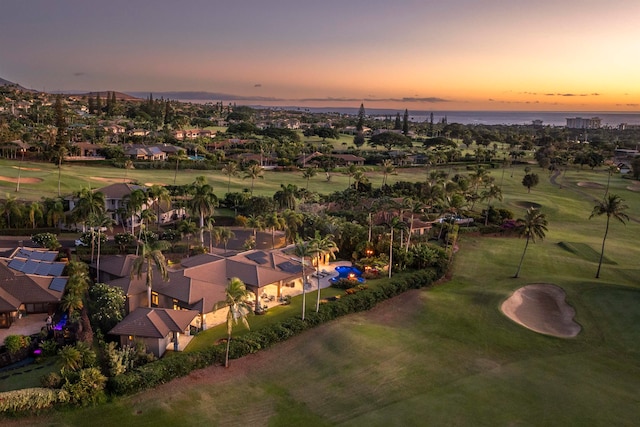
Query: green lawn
point(447, 356)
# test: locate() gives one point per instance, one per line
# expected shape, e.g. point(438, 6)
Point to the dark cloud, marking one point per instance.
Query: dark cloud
point(257, 85)
point(79, 74)
point(571, 94)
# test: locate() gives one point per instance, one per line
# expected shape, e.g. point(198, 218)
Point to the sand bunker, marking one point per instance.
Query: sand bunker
point(527, 205)
point(587, 184)
point(23, 180)
point(634, 187)
point(543, 309)
point(27, 169)
point(110, 180)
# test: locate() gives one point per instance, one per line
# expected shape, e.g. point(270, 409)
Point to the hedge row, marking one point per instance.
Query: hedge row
point(181, 364)
point(31, 400)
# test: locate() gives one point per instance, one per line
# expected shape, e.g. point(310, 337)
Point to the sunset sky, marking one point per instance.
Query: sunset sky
point(540, 55)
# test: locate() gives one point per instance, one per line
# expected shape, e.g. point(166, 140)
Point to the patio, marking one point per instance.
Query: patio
point(27, 325)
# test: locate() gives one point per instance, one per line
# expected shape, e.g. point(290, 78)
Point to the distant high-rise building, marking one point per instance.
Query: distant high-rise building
point(580, 123)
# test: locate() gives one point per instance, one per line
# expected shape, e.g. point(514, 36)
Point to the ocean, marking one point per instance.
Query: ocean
point(550, 118)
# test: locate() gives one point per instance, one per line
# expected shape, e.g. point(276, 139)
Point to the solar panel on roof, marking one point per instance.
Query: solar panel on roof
point(56, 269)
point(16, 264)
point(58, 284)
point(30, 267)
point(43, 268)
point(258, 257)
point(290, 267)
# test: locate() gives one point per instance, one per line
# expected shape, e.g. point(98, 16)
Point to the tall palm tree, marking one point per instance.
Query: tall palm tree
point(322, 247)
point(158, 194)
point(491, 192)
point(222, 235)
point(35, 213)
point(187, 228)
point(254, 172)
point(532, 226)
point(203, 204)
point(180, 155)
point(99, 222)
point(308, 173)
point(286, 196)
point(359, 179)
point(612, 207)
point(238, 308)
point(303, 250)
point(151, 256)
point(275, 222)
point(10, 208)
point(394, 223)
point(210, 227)
point(293, 221)
point(54, 208)
point(88, 203)
point(387, 168)
point(231, 170)
point(134, 202)
point(351, 171)
point(416, 207)
point(256, 223)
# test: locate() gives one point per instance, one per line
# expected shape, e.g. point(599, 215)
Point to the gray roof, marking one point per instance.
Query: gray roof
point(154, 322)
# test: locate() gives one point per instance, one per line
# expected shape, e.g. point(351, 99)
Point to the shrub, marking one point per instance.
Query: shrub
point(46, 240)
point(15, 343)
point(32, 400)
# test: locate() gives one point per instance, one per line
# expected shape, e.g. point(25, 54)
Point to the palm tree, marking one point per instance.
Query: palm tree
point(286, 196)
point(236, 301)
point(35, 213)
point(308, 173)
point(209, 226)
point(275, 222)
point(415, 207)
point(532, 226)
point(322, 246)
point(158, 194)
point(151, 256)
point(611, 206)
point(180, 155)
point(303, 250)
point(394, 223)
point(187, 228)
point(254, 171)
point(359, 178)
point(492, 192)
point(293, 221)
point(223, 234)
point(256, 223)
point(351, 171)
point(10, 208)
point(134, 202)
point(203, 204)
point(88, 203)
point(231, 170)
point(54, 208)
point(387, 168)
point(99, 221)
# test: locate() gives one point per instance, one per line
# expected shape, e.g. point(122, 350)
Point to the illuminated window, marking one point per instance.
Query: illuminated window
point(154, 299)
point(175, 305)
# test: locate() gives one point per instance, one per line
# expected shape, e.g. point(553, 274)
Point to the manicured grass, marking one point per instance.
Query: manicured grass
point(447, 356)
point(27, 376)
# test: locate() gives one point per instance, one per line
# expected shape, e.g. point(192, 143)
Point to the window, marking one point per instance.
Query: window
point(154, 299)
point(176, 305)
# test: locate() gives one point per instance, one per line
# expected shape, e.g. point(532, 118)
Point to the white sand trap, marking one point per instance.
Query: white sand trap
point(542, 308)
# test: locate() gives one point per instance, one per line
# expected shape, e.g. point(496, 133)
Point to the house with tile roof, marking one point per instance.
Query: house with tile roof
point(158, 328)
point(31, 282)
point(198, 282)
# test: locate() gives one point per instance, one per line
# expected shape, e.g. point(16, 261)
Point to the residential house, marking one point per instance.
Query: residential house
point(340, 159)
point(156, 328)
point(145, 152)
point(30, 282)
point(199, 282)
